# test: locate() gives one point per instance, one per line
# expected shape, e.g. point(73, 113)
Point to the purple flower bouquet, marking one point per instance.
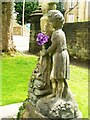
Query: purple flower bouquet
point(42, 39)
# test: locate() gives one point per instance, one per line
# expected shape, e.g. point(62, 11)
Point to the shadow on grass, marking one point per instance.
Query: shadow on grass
point(80, 63)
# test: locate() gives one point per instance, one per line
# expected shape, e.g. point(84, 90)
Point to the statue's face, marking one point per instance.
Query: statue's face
point(56, 24)
point(57, 19)
point(53, 23)
point(44, 8)
point(49, 28)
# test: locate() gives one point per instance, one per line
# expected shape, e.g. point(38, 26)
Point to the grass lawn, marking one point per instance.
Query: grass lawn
point(79, 86)
point(16, 73)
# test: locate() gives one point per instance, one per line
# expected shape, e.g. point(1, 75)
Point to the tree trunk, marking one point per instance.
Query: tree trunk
point(7, 27)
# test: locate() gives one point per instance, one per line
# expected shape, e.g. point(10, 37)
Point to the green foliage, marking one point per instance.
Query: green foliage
point(79, 86)
point(60, 7)
point(29, 8)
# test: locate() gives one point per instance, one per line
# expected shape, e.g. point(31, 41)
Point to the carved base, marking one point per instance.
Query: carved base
point(56, 107)
point(39, 105)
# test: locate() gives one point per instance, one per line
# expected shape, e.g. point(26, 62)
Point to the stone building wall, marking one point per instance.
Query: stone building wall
point(79, 10)
point(77, 35)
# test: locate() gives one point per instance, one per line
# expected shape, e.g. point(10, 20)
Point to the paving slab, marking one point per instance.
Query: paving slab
point(9, 111)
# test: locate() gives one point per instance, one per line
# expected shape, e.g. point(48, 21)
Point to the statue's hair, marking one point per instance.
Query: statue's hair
point(56, 15)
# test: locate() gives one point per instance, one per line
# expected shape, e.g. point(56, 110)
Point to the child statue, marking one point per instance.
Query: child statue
point(58, 50)
point(43, 100)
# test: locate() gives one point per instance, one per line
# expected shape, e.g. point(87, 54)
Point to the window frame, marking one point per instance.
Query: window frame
point(71, 17)
point(71, 3)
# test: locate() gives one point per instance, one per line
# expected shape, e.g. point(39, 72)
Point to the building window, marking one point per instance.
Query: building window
point(71, 3)
point(71, 17)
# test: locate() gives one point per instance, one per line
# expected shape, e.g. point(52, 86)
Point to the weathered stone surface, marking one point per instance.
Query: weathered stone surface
point(34, 30)
point(39, 84)
point(77, 39)
point(29, 111)
point(42, 92)
point(49, 108)
point(57, 107)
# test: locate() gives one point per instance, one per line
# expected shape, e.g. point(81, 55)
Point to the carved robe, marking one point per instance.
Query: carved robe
point(58, 48)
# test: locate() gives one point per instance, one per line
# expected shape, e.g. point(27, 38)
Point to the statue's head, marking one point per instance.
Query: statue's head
point(48, 6)
point(44, 7)
point(57, 18)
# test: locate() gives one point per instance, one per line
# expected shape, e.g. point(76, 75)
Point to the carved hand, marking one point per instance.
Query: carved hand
point(43, 52)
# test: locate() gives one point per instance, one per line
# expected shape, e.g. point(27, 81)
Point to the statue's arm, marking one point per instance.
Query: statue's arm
point(53, 46)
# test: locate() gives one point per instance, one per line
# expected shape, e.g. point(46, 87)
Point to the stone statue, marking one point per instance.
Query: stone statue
point(49, 95)
point(58, 49)
point(44, 23)
point(46, 28)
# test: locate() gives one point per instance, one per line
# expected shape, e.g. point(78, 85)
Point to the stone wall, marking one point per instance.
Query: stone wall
point(77, 35)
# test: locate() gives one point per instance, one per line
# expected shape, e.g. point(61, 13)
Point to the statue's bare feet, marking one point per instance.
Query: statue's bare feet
point(60, 96)
point(51, 96)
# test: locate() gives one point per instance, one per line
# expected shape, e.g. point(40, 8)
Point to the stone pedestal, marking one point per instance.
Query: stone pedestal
point(40, 105)
point(34, 30)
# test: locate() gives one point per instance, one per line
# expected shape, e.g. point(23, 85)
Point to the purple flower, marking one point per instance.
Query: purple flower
point(45, 39)
point(42, 39)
